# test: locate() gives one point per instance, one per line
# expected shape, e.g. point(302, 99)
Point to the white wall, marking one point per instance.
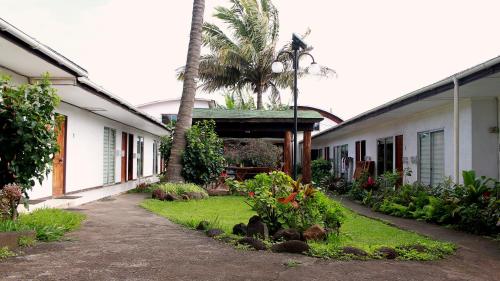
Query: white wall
point(409, 126)
point(15, 78)
point(485, 143)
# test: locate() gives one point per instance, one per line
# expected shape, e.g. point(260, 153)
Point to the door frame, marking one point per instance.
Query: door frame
point(124, 157)
point(130, 167)
point(64, 125)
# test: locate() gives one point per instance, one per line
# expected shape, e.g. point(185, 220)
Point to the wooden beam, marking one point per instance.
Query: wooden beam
point(287, 153)
point(306, 158)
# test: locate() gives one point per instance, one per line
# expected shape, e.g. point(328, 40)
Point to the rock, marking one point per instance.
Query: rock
point(254, 242)
point(354, 251)
point(256, 228)
point(203, 225)
point(387, 252)
point(195, 195)
point(214, 232)
point(240, 229)
point(185, 197)
point(171, 197)
point(158, 194)
point(292, 246)
point(286, 234)
point(218, 192)
point(315, 232)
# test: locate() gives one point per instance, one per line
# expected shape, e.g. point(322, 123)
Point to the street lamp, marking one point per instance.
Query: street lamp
point(279, 67)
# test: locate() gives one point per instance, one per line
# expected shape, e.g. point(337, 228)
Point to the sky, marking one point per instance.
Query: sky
point(380, 49)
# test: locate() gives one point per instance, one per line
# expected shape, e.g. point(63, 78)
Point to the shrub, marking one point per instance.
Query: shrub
point(180, 188)
point(282, 202)
point(10, 196)
point(320, 169)
point(253, 153)
point(202, 159)
point(165, 148)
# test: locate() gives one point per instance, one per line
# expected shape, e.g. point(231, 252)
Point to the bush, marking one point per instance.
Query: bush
point(203, 159)
point(253, 153)
point(180, 188)
point(320, 169)
point(10, 196)
point(282, 202)
point(165, 148)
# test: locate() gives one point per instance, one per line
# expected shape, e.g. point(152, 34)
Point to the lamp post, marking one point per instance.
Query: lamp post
point(278, 67)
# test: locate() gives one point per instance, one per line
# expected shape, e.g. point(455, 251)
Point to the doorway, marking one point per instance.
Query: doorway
point(124, 157)
point(59, 161)
point(130, 157)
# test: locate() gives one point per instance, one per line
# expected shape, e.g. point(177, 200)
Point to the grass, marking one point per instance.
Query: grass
point(356, 231)
point(49, 224)
point(172, 188)
point(5, 253)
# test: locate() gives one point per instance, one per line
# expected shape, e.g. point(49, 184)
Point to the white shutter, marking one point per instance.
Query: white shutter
point(112, 148)
point(105, 155)
point(425, 158)
point(437, 161)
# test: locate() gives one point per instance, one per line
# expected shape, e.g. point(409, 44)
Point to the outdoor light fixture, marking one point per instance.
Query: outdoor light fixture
point(279, 67)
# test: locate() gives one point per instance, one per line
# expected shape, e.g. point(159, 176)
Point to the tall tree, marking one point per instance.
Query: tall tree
point(242, 57)
point(184, 116)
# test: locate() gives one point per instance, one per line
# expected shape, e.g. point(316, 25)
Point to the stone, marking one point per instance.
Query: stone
point(214, 232)
point(254, 242)
point(171, 197)
point(11, 239)
point(257, 228)
point(315, 232)
point(195, 195)
point(158, 194)
point(292, 246)
point(286, 234)
point(354, 251)
point(185, 197)
point(203, 225)
point(387, 252)
point(240, 229)
point(218, 192)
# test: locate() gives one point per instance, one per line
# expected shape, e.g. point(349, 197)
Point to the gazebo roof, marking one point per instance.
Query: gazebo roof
point(249, 123)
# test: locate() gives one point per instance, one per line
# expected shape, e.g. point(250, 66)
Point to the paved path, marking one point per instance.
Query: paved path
point(121, 241)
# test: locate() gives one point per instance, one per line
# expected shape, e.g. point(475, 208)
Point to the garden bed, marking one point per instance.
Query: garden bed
point(356, 232)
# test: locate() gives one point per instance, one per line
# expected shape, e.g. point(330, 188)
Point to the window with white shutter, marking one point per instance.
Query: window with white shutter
point(431, 157)
point(109, 145)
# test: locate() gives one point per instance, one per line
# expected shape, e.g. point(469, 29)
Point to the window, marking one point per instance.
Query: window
point(109, 145)
point(360, 150)
point(340, 161)
point(385, 155)
point(327, 153)
point(431, 157)
point(140, 156)
point(168, 118)
point(316, 153)
point(155, 157)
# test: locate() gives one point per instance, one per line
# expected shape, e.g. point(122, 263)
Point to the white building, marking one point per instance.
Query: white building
point(166, 110)
point(436, 132)
point(108, 145)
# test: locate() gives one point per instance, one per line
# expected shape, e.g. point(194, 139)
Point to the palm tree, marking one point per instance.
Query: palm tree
point(243, 59)
point(184, 116)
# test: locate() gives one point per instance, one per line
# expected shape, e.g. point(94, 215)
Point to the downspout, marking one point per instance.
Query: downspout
point(456, 131)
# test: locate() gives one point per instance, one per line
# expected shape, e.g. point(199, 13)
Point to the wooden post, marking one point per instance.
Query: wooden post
point(287, 153)
point(306, 158)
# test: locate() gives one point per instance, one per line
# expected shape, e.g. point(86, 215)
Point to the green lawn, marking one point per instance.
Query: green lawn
point(357, 231)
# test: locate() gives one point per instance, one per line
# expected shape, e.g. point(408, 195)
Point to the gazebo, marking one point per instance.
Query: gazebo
point(272, 124)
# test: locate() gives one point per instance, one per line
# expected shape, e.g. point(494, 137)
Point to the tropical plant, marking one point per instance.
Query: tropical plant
point(320, 169)
point(29, 132)
point(237, 100)
point(203, 158)
point(243, 58)
point(165, 148)
point(184, 117)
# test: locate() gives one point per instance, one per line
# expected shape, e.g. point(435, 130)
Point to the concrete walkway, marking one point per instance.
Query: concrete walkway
point(121, 241)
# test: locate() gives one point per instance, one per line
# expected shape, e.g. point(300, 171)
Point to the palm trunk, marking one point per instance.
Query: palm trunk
point(184, 117)
point(259, 99)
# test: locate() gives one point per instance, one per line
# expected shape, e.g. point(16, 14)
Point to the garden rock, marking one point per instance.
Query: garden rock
point(171, 197)
point(254, 242)
point(257, 228)
point(240, 229)
point(387, 252)
point(158, 194)
point(286, 234)
point(214, 232)
point(203, 225)
point(292, 246)
point(185, 197)
point(195, 195)
point(354, 251)
point(315, 232)
point(218, 192)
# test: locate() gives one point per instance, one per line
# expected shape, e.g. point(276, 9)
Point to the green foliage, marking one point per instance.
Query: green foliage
point(282, 202)
point(253, 153)
point(179, 188)
point(203, 159)
point(320, 169)
point(6, 253)
point(238, 100)
point(28, 139)
point(49, 224)
point(26, 241)
point(166, 147)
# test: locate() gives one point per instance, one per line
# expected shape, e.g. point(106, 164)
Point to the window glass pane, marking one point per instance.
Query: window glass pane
point(424, 158)
point(437, 161)
point(389, 155)
point(380, 156)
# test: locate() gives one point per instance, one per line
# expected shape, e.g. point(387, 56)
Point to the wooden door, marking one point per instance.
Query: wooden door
point(59, 162)
point(130, 157)
point(399, 156)
point(124, 157)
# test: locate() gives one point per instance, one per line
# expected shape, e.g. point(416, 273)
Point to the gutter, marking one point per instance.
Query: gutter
point(464, 77)
point(34, 44)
